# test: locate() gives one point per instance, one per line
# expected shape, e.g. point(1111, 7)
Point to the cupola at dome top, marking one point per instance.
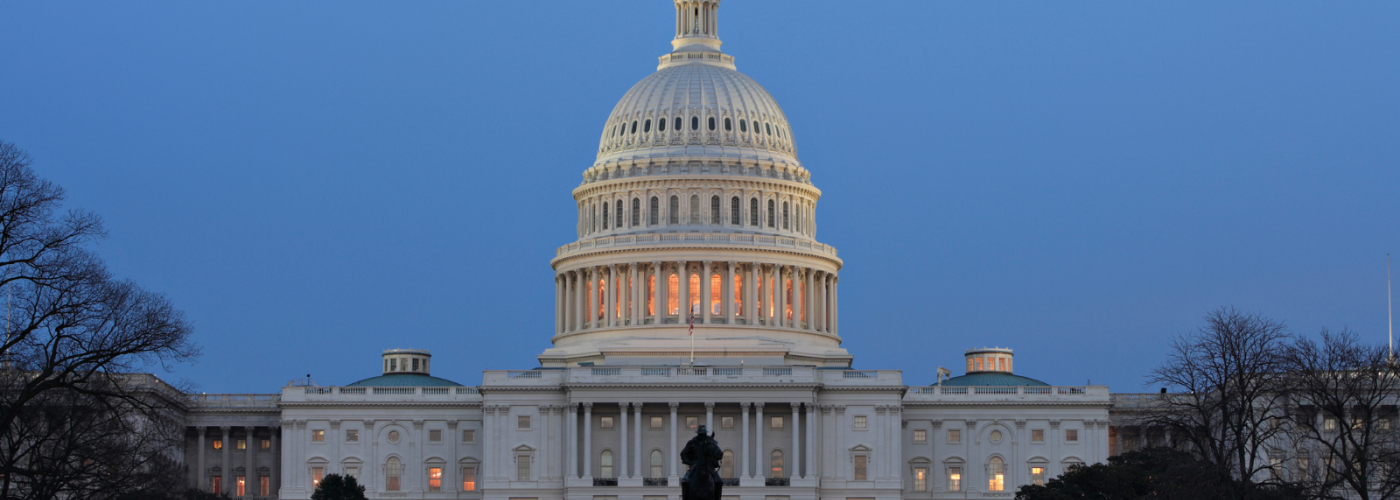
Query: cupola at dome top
point(406, 361)
point(697, 26)
point(989, 359)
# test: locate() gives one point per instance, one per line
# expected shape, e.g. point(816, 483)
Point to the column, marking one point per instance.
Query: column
point(683, 282)
point(780, 287)
point(610, 315)
point(571, 433)
point(274, 478)
point(840, 429)
point(622, 434)
point(559, 313)
point(674, 452)
point(730, 312)
point(588, 440)
point(250, 473)
point(808, 298)
point(879, 472)
point(225, 464)
point(657, 283)
point(594, 274)
point(201, 479)
point(705, 292)
point(710, 416)
point(835, 306)
point(796, 441)
point(758, 439)
point(821, 314)
point(637, 440)
point(811, 466)
point(580, 298)
point(744, 460)
point(637, 288)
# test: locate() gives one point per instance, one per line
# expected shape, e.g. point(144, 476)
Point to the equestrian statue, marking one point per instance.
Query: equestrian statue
point(702, 481)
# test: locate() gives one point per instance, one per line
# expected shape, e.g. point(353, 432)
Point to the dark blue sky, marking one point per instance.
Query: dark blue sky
point(313, 182)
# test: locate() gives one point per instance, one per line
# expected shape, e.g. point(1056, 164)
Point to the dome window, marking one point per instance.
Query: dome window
point(677, 128)
point(753, 211)
point(743, 126)
point(714, 206)
point(674, 215)
point(646, 127)
point(617, 216)
point(734, 218)
point(634, 126)
point(655, 211)
point(712, 123)
point(768, 128)
point(605, 215)
point(771, 215)
point(661, 125)
point(694, 209)
point(695, 123)
point(636, 212)
point(727, 125)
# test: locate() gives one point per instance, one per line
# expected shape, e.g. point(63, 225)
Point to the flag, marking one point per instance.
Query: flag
point(692, 321)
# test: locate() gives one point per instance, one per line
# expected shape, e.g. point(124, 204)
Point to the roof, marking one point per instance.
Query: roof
point(404, 380)
point(983, 379)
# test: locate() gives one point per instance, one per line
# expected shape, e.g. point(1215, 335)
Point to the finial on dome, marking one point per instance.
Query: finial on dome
point(697, 29)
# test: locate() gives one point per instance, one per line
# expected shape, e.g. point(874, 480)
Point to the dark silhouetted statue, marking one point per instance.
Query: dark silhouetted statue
point(702, 481)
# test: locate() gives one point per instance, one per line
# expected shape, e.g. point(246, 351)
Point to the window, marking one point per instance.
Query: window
point(674, 217)
point(768, 128)
point(468, 435)
point(240, 485)
point(777, 423)
point(712, 123)
point(655, 211)
point(678, 124)
point(352, 435)
point(352, 472)
point(216, 482)
point(955, 479)
point(694, 209)
point(218, 444)
point(673, 290)
point(1072, 435)
point(617, 223)
point(771, 215)
point(996, 474)
point(468, 478)
point(264, 444)
point(738, 294)
point(995, 436)
point(743, 126)
point(692, 422)
point(1304, 469)
point(727, 124)
point(753, 212)
point(714, 210)
point(726, 422)
point(393, 365)
point(860, 422)
point(435, 436)
point(656, 462)
point(734, 211)
point(1037, 435)
point(605, 465)
point(661, 125)
point(861, 468)
point(240, 444)
point(920, 436)
point(954, 435)
point(318, 436)
point(435, 479)
point(605, 422)
point(695, 123)
point(656, 422)
point(523, 422)
point(634, 126)
point(646, 126)
point(263, 486)
point(776, 461)
point(1038, 476)
point(785, 215)
point(393, 470)
point(605, 225)
point(522, 467)
point(921, 479)
point(636, 212)
point(1329, 424)
point(316, 474)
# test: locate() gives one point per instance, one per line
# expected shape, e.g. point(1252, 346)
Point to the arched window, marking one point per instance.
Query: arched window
point(738, 293)
point(753, 212)
point(605, 215)
point(678, 124)
point(743, 126)
point(605, 465)
point(771, 214)
point(655, 211)
point(393, 471)
point(674, 217)
point(727, 125)
point(594, 218)
point(651, 295)
point(726, 465)
point(617, 216)
point(716, 295)
point(661, 125)
point(602, 296)
point(777, 464)
point(996, 474)
point(712, 123)
point(734, 211)
point(634, 126)
point(673, 294)
point(656, 463)
point(646, 127)
point(695, 123)
point(694, 209)
point(714, 210)
point(768, 128)
point(785, 215)
point(694, 293)
point(636, 212)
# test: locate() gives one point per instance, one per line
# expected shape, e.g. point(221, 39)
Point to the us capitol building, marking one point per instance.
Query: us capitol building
point(696, 205)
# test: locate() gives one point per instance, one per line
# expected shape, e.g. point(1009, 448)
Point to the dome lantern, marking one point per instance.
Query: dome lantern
point(989, 359)
point(406, 361)
point(697, 26)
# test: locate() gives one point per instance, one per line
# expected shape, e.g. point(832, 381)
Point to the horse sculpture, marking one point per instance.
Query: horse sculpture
point(702, 481)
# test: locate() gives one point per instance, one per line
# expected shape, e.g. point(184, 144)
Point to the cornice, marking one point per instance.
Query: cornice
point(662, 181)
point(688, 246)
point(1017, 404)
point(381, 404)
point(703, 385)
point(517, 388)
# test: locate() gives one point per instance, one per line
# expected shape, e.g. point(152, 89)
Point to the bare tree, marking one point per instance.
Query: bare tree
point(71, 413)
point(1344, 422)
point(1225, 379)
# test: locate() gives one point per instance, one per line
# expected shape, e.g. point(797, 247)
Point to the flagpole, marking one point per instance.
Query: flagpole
point(692, 336)
point(1389, 312)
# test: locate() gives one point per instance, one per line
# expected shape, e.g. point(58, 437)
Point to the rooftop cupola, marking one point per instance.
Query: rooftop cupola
point(697, 29)
point(989, 359)
point(406, 361)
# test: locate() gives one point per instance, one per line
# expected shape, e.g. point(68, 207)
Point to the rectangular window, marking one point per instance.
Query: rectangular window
point(242, 485)
point(1038, 476)
point(435, 436)
point(352, 435)
point(468, 478)
point(954, 435)
point(920, 479)
point(1072, 435)
point(920, 436)
point(218, 444)
point(692, 422)
point(726, 422)
point(522, 422)
point(264, 486)
point(318, 436)
point(352, 472)
point(522, 468)
point(415, 364)
point(1037, 435)
point(265, 444)
point(240, 444)
point(1304, 469)
point(434, 479)
point(656, 423)
point(605, 422)
point(860, 422)
point(316, 474)
point(955, 479)
point(860, 467)
point(468, 435)
point(777, 422)
point(1329, 424)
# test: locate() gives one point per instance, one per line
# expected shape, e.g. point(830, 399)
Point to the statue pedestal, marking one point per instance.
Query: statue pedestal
point(805, 482)
point(635, 481)
point(758, 481)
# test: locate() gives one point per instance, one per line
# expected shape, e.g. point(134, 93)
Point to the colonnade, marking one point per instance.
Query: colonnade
point(227, 477)
point(653, 293)
point(631, 432)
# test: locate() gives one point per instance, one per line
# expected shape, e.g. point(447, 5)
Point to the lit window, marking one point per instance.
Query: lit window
point(692, 422)
point(434, 479)
point(920, 436)
point(777, 463)
point(726, 422)
point(216, 482)
point(726, 465)
point(656, 422)
point(318, 436)
point(468, 436)
point(240, 444)
point(1275, 468)
point(1329, 424)
point(393, 471)
point(656, 463)
point(860, 422)
point(861, 468)
point(954, 435)
point(955, 479)
point(352, 435)
point(435, 436)
point(673, 291)
point(522, 422)
point(263, 486)
point(605, 422)
point(1038, 476)
point(264, 444)
point(1072, 435)
point(920, 479)
point(996, 474)
point(218, 444)
point(469, 479)
point(738, 293)
point(316, 474)
point(241, 485)
point(605, 465)
point(777, 422)
point(1037, 435)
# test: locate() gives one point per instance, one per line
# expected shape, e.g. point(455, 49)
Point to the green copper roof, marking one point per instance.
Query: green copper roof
point(404, 380)
point(983, 379)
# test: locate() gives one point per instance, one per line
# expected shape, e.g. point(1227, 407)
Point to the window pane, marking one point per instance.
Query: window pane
point(860, 422)
point(955, 479)
point(920, 436)
point(777, 464)
point(522, 422)
point(860, 467)
point(726, 465)
point(522, 468)
point(605, 422)
point(469, 479)
point(434, 479)
point(954, 436)
point(435, 435)
point(468, 436)
point(920, 479)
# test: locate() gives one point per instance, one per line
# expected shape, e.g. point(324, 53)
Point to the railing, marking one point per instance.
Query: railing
point(654, 481)
point(730, 481)
point(598, 481)
point(352, 390)
point(467, 390)
point(1037, 390)
point(234, 400)
point(858, 374)
point(607, 371)
point(392, 390)
point(657, 372)
point(995, 390)
point(437, 390)
point(692, 371)
point(1071, 391)
point(775, 481)
point(319, 390)
point(713, 238)
point(777, 371)
point(524, 374)
point(729, 371)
